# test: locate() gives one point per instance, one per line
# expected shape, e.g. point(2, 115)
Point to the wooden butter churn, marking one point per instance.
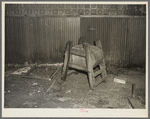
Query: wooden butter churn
point(85, 57)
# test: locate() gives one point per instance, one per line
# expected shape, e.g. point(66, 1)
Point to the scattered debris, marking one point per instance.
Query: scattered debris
point(30, 94)
point(22, 70)
point(64, 99)
point(26, 64)
point(58, 72)
point(120, 79)
point(30, 104)
point(50, 79)
point(69, 91)
point(77, 106)
point(111, 92)
point(31, 70)
point(34, 84)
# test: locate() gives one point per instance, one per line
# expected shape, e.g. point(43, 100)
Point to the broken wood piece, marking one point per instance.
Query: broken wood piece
point(55, 79)
point(66, 61)
point(21, 70)
point(31, 77)
point(133, 90)
point(54, 73)
point(135, 103)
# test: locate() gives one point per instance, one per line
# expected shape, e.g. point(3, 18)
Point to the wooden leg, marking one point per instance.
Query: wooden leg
point(103, 68)
point(66, 61)
point(98, 43)
point(89, 66)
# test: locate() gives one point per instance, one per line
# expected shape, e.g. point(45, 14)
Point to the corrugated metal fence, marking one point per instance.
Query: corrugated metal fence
point(44, 38)
point(123, 39)
point(39, 38)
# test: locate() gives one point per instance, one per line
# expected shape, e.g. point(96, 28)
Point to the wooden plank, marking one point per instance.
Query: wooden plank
point(77, 52)
point(97, 73)
point(66, 61)
point(89, 66)
point(32, 77)
point(133, 90)
point(78, 67)
point(55, 76)
point(135, 103)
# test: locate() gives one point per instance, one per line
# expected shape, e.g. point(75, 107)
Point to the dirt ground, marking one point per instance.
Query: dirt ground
point(25, 92)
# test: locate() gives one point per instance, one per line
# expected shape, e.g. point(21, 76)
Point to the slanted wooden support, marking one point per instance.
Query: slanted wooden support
point(66, 60)
point(97, 73)
point(89, 66)
point(102, 65)
point(135, 103)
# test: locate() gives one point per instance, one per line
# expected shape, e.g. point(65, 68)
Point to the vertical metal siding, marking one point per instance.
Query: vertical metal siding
point(137, 41)
point(44, 38)
point(51, 35)
point(39, 38)
point(123, 39)
point(14, 39)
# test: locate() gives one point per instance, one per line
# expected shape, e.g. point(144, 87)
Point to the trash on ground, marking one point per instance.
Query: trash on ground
point(50, 79)
point(22, 70)
point(34, 84)
point(8, 90)
point(120, 79)
point(30, 94)
point(69, 91)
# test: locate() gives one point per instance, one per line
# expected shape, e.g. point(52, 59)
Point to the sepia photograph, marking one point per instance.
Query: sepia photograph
point(80, 56)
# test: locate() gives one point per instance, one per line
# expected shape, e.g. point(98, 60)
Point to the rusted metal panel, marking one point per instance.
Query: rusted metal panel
point(123, 39)
point(40, 39)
